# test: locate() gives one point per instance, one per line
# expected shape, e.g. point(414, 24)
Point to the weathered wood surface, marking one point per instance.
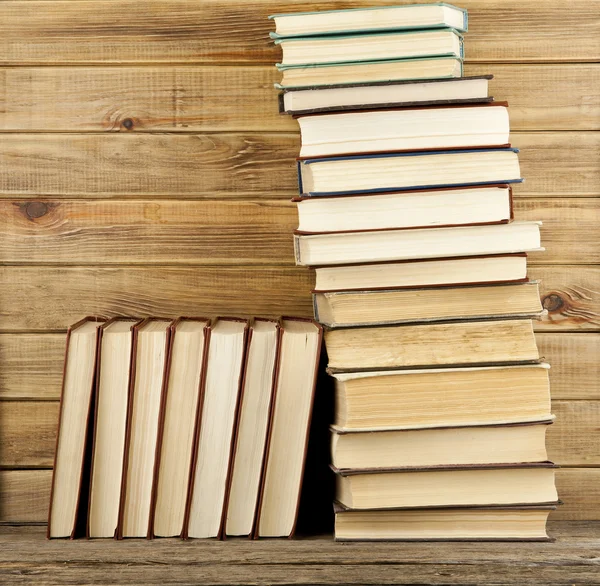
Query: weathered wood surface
point(200, 98)
point(28, 433)
point(25, 494)
point(218, 31)
point(575, 372)
point(32, 365)
point(226, 233)
point(257, 165)
point(50, 298)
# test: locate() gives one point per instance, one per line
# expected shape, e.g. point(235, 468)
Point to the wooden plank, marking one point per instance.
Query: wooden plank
point(570, 232)
point(226, 232)
point(28, 433)
point(98, 31)
point(575, 372)
point(571, 296)
point(25, 494)
point(579, 489)
point(209, 98)
point(237, 165)
point(576, 543)
point(50, 298)
point(165, 232)
point(32, 365)
point(574, 438)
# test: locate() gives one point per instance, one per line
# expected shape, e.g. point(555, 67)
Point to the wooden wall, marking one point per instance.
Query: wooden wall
point(144, 170)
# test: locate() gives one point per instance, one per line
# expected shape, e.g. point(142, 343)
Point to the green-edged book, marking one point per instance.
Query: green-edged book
point(376, 18)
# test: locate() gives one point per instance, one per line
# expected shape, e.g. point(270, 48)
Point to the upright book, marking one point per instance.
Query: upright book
point(76, 402)
point(184, 379)
point(257, 397)
point(142, 439)
point(287, 443)
point(112, 389)
point(215, 430)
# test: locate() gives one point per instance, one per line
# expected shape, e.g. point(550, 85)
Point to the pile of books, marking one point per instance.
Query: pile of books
point(192, 427)
point(405, 210)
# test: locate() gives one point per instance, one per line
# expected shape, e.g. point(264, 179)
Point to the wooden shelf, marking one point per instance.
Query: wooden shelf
point(27, 557)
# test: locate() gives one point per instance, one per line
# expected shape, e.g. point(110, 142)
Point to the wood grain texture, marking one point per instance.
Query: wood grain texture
point(571, 296)
point(226, 232)
point(575, 372)
point(32, 365)
point(28, 433)
point(237, 165)
point(25, 494)
point(200, 98)
point(50, 298)
point(218, 31)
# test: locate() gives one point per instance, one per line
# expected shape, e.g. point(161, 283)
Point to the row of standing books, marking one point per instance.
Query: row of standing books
point(191, 428)
point(405, 209)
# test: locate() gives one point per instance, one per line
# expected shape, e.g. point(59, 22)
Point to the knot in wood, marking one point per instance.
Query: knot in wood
point(128, 123)
point(553, 302)
point(36, 209)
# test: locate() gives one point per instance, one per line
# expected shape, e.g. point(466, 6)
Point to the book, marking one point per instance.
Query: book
point(485, 204)
point(526, 523)
point(279, 495)
point(76, 406)
point(369, 72)
point(423, 273)
point(112, 384)
point(477, 485)
point(214, 434)
point(369, 96)
point(356, 47)
point(449, 446)
point(441, 397)
point(416, 243)
point(397, 306)
point(255, 408)
point(403, 171)
point(436, 344)
point(146, 384)
point(380, 18)
point(404, 129)
point(184, 380)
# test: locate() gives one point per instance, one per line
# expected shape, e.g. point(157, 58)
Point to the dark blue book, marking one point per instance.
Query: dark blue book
point(400, 171)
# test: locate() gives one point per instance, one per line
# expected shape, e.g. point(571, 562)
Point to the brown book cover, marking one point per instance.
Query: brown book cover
point(255, 534)
point(163, 403)
point(198, 425)
point(282, 109)
point(81, 507)
point(419, 106)
point(96, 398)
point(132, 375)
point(413, 260)
point(507, 221)
point(238, 415)
point(340, 508)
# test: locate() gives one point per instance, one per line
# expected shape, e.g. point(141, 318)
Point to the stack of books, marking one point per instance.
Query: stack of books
point(405, 211)
point(191, 428)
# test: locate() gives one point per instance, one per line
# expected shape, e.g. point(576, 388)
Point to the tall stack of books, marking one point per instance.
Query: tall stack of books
point(405, 211)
